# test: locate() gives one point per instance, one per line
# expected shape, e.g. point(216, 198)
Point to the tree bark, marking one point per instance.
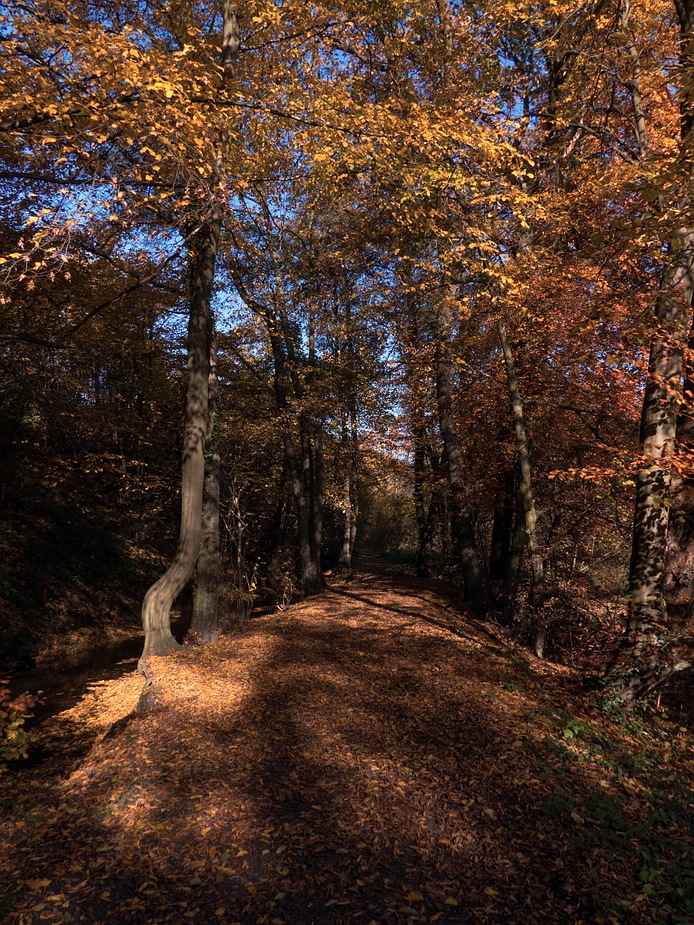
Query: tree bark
point(502, 530)
point(659, 552)
point(317, 491)
point(462, 523)
point(526, 493)
point(156, 607)
point(350, 502)
point(679, 571)
point(519, 537)
point(344, 563)
point(204, 625)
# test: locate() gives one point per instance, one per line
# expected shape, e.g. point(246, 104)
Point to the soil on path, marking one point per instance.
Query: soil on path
point(371, 755)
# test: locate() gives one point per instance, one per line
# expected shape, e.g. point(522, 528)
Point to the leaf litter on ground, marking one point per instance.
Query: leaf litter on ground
point(371, 755)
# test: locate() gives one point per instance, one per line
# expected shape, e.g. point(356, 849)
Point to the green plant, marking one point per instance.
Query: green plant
point(576, 729)
point(14, 740)
point(612, 705)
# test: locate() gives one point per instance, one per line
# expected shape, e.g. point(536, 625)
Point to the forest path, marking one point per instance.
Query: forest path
point(369, 756)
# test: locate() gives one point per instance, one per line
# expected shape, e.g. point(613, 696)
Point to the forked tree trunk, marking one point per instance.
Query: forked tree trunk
point(526, 493)
point(204, 626)
point(156, 607)
point(202, 255)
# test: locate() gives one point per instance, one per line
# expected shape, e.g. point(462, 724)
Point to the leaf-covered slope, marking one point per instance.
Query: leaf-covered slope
point(368, 756)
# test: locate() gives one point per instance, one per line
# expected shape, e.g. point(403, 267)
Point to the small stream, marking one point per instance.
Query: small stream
point(63, 682)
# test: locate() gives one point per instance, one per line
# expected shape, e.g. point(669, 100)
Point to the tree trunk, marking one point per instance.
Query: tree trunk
point(317, 489)
point(502, 530)
point(462, 523)
point(426, 497)
point(344, 563)
point(156, 607)
point(657, 552)
point(526, 493)
point(519, 537)
point(425, 553)
point(647, 631)
point(204, 626)
point(355, 518)
point(679, 571)
point(354, 486)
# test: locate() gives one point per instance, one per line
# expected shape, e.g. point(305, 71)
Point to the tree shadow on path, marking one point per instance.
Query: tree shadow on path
point(349, 762)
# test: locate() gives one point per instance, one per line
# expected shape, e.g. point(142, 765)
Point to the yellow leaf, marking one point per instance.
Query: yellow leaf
point(38, 884)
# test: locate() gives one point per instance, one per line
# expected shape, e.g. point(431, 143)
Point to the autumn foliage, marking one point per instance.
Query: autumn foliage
point(285, 283)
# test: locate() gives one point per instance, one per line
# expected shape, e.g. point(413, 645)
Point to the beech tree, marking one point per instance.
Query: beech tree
point(660, 571)
point(367, 194)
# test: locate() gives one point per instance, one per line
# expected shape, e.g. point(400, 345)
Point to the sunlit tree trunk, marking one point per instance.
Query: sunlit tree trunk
point(344, 563)
point(202, 256)
point(659, 553)
point(204, 625)
point(156, 608)
point(354, 437)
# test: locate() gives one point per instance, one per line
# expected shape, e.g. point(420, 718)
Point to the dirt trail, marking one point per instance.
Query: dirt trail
point(369, 756)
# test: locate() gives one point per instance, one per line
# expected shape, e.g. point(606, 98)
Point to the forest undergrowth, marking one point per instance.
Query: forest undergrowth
point(371, 755)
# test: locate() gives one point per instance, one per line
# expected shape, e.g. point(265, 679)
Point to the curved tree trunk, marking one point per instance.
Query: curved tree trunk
point(202, 255)
point(156, 607)
point(205, 622)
